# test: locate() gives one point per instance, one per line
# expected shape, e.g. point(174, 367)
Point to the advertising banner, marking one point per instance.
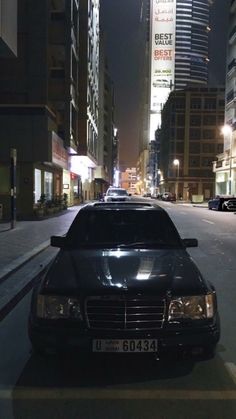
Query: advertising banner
point(163, 20)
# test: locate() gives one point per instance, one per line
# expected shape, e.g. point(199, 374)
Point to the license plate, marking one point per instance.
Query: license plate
point(125, 345)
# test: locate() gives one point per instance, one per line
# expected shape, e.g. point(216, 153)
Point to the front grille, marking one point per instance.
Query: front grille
point(124, 313)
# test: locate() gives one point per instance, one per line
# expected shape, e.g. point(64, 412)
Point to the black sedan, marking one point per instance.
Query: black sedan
point(222, 203)
point(123, 282)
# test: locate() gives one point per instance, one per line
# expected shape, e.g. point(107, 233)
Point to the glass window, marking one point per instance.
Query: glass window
point(123, 227)
point(48, 185)
point(37, 185)
point(194, 134)
point(195, 120)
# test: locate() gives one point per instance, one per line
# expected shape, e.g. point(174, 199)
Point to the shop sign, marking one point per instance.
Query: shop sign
point(59, 153)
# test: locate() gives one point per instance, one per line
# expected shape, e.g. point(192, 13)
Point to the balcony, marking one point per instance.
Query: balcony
point(230, 96)
point(231, 69)
point(232, 36)
point(233, 6)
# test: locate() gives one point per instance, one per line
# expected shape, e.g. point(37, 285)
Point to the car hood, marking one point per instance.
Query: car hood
point(135, 270)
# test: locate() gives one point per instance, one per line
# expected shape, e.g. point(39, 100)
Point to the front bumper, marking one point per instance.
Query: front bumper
point(52, 338)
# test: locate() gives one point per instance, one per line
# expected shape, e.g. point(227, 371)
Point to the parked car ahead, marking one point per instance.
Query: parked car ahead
point(222, 203)
point(123, 282)
point(116, 194)
point(168, 196)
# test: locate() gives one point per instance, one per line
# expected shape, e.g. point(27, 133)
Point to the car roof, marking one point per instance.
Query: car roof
point(116, 188)
point(131, 205)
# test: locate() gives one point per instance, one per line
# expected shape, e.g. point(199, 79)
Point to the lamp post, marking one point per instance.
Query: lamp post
point(176, 164)
point(228, 133)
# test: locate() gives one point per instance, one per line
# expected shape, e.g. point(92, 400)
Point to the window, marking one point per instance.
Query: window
point(194, 134)
point(208, 148)
point(209, 120)
point(181, 119)
point(195, 103)
point(194, 161)
point(195, 120)
point(210, 103)
point(98, 227)
point(194, 147)
point(48, 185)
point(37, 185)
point(208, 134)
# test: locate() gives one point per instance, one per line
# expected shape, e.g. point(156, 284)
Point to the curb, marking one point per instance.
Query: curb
point(22, 260)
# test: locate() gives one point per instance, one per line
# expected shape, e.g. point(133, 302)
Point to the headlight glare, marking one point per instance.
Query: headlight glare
point(56, 307)
point(197, 307)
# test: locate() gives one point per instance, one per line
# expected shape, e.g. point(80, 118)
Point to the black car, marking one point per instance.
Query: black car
point(222, 203)
point(123, 282)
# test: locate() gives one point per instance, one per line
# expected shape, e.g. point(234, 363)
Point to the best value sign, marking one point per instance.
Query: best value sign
point(163, 20)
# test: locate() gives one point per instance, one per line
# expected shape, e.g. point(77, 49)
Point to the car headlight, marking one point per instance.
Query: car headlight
point(56, 307)
point(197, 307)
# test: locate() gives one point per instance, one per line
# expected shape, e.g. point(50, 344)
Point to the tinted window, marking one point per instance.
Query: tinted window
point(125, 226)
point(119, 192)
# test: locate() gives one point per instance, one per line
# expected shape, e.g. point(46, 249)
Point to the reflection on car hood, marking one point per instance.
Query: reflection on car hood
point(136, 270)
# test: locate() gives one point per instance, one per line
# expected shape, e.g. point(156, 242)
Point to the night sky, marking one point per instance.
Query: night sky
point(120, 20)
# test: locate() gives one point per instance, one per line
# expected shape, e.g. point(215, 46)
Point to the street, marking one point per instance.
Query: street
point(132, 387)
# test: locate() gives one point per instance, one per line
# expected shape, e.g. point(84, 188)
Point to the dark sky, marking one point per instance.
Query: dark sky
point(120, 20)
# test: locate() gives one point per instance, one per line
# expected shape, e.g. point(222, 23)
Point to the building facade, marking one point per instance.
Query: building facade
point(39, 105)
point(87, 158)
point(177, 46)
point(190, 139)
point(107, 147)
point(128, 180)
point(225, 164)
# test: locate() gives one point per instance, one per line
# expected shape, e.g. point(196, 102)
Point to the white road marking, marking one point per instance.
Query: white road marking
point(184, 213)
point(207, 221)
point(24, 393)
point(231, 368)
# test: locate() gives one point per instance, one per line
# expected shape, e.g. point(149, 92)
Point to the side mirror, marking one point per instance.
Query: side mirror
point(190, 242)
point(58, 241)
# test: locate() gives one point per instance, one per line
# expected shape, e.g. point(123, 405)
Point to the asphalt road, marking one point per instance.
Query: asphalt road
point(134, 388)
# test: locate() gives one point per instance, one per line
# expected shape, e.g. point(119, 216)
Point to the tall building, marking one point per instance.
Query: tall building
point(191, 43)
point(179, 50)
point(177, 46)
point(190, 139)
point(225, 165)
point(8, 28)
point(107, 147)
point(39, 105)
point(87, 158)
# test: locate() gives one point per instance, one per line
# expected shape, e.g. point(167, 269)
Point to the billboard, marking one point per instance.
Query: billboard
point(163, 20)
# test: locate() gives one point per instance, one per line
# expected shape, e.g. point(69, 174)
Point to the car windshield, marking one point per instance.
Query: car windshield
point(125, 227)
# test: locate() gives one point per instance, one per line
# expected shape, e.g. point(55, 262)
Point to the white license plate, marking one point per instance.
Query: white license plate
point(124, 345)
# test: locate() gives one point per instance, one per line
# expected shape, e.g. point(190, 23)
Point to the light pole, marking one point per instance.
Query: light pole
point(228, 133)
point(176, 164)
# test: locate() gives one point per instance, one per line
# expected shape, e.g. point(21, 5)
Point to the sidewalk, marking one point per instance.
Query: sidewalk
point(29, 238)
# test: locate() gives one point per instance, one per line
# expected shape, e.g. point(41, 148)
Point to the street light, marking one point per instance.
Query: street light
point(176, 164)
point(228, 133)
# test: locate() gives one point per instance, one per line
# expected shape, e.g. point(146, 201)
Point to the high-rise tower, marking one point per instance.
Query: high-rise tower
point(191, 42)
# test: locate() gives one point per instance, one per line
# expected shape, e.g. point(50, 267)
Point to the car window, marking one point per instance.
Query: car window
point(123, 227)
point(119, 192)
